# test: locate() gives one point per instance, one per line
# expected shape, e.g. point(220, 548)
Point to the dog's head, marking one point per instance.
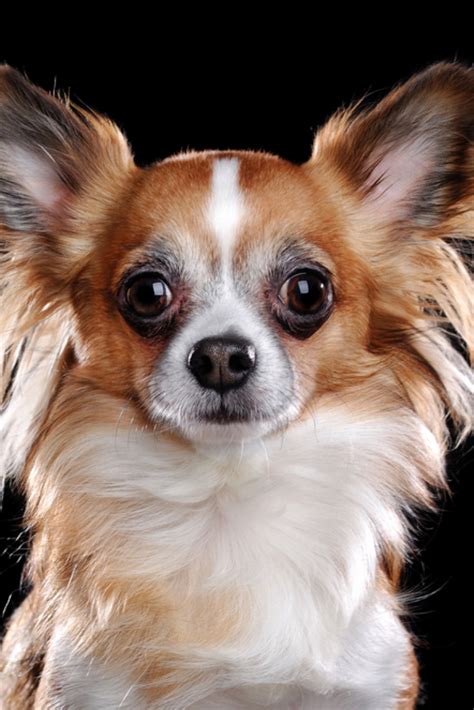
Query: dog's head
point(228, 293)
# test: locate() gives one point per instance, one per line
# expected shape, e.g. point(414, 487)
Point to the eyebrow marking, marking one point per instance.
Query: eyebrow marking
point(226, 207)
point(299, 249)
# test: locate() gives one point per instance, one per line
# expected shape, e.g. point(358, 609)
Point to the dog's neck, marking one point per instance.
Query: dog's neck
point(222, 555)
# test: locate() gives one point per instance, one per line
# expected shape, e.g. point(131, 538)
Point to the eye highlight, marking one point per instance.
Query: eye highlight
point(147, 294)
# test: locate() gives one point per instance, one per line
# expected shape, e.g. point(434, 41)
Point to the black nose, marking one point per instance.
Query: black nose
point(222, 362)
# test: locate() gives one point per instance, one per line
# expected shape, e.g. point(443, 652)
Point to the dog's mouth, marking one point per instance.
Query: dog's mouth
point(229, 415)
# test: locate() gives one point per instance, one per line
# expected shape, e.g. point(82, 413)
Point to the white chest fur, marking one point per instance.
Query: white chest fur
point(368, 675)
point(297, 521)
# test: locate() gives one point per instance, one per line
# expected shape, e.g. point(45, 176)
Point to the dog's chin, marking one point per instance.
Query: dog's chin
point(219, 428)
point(223, 425)
point(226, 427)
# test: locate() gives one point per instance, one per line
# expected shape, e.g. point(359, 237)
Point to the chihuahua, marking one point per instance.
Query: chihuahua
point(227, 381)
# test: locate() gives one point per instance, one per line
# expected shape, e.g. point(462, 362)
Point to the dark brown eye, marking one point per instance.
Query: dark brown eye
point(305, 293)
point(148, 295)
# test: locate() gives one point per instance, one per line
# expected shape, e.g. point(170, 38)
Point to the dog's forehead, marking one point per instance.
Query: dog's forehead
point(219, 205)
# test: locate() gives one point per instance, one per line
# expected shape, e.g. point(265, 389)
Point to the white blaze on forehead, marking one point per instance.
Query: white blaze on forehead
point(226, 206)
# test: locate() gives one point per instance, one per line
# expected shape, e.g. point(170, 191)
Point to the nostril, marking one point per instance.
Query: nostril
point(241, 361)
point(200, 362)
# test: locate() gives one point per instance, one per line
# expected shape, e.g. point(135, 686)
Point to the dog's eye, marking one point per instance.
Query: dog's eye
point(305, 293)
point(148, 295)
point(304, 301)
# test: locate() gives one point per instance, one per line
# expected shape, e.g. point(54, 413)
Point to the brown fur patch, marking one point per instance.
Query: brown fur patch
point(409, 697)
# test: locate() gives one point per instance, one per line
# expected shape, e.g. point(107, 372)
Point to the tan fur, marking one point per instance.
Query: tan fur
point(409, 697)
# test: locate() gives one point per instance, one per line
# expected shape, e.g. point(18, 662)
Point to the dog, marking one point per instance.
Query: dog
point(227, 381)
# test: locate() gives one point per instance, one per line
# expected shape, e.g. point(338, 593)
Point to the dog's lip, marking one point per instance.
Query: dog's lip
point(224, 415)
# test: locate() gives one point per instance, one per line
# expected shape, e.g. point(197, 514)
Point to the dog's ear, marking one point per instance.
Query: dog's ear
point(402, 171)
point(409, 158)
point(63, 172)
point(61, 167)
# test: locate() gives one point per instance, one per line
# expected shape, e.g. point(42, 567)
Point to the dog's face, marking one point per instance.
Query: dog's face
point(228, 293)
point(225, 295)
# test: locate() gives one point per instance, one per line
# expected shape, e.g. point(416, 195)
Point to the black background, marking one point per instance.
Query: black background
point(272, 98)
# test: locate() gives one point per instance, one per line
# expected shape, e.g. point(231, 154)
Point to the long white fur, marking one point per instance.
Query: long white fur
point(295, 520)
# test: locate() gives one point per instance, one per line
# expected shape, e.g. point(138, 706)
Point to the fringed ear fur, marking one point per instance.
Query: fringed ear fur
point(409, 158)
point(405, 169)
point(62, 171)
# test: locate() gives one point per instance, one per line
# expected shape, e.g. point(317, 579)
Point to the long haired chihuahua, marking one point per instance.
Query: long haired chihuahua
point(227, 385)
